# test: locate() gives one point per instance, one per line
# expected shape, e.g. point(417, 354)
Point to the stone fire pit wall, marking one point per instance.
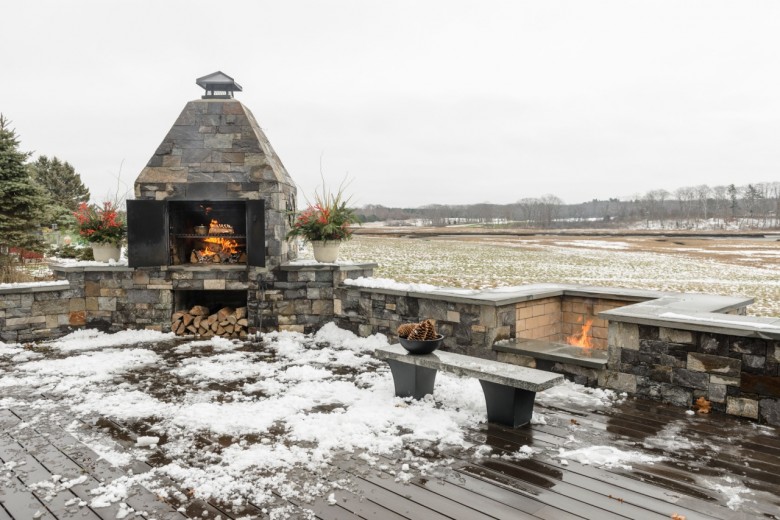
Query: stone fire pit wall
point(677, 357)
point(472, 321)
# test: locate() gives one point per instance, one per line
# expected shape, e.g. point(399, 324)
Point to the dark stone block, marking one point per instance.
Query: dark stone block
point(765, 386)
point(653, 346)
point(408, 306)
point(648, 332)
point(718, 407)
point(323, 276)
point(463, 335)
point(143, 296)
point(714, 344)
point(753, 346)
point(629, 356)
point(769, 411)
point(676, 395)
point(646, 387)
point(690, 379)
point(717, 365)
point(671, 361)
point(580, 380)
point(733, 391)
point(660, 373)
point(648, 358)
point(100, 324)
point(295, 294)
point(753, 364)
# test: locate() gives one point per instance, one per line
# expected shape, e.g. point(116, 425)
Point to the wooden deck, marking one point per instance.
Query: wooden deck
point(720, 451)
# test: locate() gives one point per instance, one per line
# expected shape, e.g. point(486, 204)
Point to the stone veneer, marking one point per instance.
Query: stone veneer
point(216, 151)
point(676, 357)
point(295, 297)
point(33, 312)
point(671, 347)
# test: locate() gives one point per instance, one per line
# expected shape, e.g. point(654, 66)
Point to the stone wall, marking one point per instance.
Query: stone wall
point(469, 328)
point(37, 312)
point(739, 375)
point(304, 297)
point(112, 298)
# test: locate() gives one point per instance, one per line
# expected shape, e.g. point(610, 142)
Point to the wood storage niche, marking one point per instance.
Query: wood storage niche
point(210, 313)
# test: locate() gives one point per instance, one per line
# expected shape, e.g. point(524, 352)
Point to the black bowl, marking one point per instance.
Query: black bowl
point(422, 346)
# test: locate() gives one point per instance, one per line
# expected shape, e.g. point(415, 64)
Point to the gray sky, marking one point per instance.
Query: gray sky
point(418, 102)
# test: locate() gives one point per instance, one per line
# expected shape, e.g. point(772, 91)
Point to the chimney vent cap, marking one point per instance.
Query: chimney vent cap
point(218, 85)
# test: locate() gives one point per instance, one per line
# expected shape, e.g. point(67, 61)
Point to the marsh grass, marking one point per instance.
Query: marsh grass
point(716, 266)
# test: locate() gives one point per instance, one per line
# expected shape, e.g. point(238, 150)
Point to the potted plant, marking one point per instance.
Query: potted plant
point(325, 223)
point(103, 227)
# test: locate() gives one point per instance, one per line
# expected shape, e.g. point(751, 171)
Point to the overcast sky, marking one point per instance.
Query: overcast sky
point(419, 102)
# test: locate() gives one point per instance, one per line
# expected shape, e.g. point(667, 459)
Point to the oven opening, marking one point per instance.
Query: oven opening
point(207, 232)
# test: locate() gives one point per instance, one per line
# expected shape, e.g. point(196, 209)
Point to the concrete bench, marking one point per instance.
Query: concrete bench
point(509, 390)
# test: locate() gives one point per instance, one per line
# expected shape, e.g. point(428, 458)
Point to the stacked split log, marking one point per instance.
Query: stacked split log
point(226, 322)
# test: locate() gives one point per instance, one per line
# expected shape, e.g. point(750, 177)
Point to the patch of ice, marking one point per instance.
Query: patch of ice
point(571, 393)
point(733, 491)
point(669, 439)
point(607, 456)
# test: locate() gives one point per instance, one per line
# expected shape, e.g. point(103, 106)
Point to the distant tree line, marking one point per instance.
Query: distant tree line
point(750, 206)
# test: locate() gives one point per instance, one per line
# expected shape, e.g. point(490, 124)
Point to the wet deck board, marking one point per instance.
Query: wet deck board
point(541, 487)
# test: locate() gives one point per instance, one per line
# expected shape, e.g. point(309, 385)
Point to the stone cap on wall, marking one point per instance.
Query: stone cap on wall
point(33, 287)
point(698, 312)
point(501, 296)
point(303, 265)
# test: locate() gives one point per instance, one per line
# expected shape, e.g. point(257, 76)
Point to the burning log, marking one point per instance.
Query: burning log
point(227, 322)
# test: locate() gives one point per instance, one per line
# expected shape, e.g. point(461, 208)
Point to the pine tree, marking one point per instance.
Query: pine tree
point(21, 202)
point(60, 180)
point(63, 187)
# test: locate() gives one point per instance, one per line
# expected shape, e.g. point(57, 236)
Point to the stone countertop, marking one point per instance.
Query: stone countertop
point(514, 376)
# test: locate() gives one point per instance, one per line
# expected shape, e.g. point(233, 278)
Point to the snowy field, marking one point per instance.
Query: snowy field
point(722, 266)
point(265, 421)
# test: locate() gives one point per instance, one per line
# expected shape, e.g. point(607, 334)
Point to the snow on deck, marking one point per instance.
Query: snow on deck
point(293, 423)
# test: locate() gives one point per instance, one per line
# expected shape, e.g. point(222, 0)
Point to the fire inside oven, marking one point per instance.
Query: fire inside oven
point(195, 232)
point(208, 232)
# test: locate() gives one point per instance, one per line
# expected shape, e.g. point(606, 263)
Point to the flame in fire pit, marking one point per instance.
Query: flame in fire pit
point(584, 338)
point(217, 249)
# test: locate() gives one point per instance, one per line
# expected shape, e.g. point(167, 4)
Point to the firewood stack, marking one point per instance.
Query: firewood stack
point(226, 322)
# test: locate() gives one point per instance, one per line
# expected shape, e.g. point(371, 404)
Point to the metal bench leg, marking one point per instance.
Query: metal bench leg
point(412, 380)
point(508, 406)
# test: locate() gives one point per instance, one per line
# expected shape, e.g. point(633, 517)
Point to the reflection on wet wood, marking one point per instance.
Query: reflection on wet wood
point(698, 451)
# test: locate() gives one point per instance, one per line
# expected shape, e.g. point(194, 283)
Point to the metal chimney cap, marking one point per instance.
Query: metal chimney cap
point(218, 85)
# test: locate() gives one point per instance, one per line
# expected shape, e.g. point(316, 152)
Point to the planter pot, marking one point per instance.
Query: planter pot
point(421, 347)
point(326, 251)
point(106, 252)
